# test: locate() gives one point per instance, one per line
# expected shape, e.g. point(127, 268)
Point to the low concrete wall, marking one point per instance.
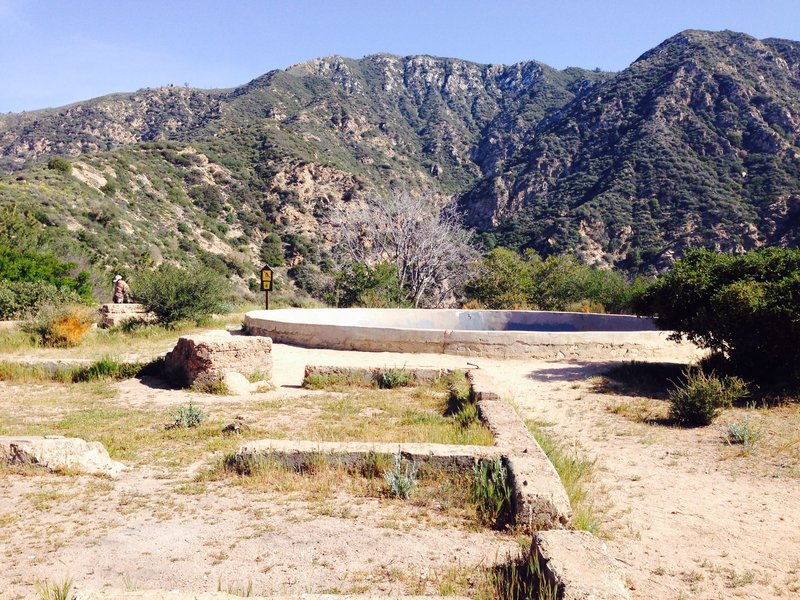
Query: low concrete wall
point(298, 453)
point(506, 334)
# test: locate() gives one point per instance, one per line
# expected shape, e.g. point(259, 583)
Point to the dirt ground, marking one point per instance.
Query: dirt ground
point(687, 514)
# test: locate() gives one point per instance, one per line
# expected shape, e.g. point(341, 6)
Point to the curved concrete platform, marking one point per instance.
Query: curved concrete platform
point(492, 333)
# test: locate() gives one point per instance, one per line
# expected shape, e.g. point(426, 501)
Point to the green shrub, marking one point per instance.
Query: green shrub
point(59, 326)
point(507, 280)
point(745, 308)
point(174, 294)
point(60, 164)
point(374, 286)
point(700, 398)
point(272, 250)
point(188, 416)
point(401, 480)
point(37, 267)
point(744, 433)
point(18, 298)
point(491, 492)
point(389, 379)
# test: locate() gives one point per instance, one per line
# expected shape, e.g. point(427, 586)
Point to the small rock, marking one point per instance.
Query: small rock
point(235, 428)
point(236, 383)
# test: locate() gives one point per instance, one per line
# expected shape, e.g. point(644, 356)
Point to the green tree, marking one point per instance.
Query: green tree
point(31, 266)
point(504, 280)
point(744, 308)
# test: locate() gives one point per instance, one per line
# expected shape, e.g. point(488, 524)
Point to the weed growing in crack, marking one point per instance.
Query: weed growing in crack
point(107, 368)
point(575, 472)
point(491, 492)
point(216, 386)
point(460, 404)
point(520, 578)
point(401, 480)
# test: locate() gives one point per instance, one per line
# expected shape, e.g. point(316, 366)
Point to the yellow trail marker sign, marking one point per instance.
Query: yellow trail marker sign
point(266, 279)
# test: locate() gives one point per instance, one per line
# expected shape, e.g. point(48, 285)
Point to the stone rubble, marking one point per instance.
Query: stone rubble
point(55, 453)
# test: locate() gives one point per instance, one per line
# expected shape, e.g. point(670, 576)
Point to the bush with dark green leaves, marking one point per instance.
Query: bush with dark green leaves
point(33, 266)
point(174, 294)
point(30, 279)
point(504, 281)
point(744, 308)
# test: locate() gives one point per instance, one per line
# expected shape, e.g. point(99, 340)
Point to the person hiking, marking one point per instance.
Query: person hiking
point(122, 290)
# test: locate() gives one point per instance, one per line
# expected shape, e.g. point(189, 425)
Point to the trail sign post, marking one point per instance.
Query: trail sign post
point(266, 284)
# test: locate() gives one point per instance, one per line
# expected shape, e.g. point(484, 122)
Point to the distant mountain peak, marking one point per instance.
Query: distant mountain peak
point(696, 143)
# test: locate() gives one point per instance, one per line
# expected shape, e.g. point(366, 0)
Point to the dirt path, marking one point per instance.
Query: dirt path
point(686, 517)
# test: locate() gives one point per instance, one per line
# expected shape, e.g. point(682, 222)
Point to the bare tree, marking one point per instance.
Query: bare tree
point(426, 241)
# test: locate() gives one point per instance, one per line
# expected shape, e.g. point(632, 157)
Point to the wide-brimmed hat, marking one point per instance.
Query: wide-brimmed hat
point(117, 277)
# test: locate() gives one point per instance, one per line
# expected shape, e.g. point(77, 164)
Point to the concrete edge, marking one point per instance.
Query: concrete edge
point(577, 565)
point(539, 499)
point(300, 453)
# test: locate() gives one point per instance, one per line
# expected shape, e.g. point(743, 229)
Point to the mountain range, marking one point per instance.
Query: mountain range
point(695, 144)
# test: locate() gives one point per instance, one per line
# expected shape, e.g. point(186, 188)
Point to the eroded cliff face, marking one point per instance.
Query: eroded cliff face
point(105, 123)
point(696, 143)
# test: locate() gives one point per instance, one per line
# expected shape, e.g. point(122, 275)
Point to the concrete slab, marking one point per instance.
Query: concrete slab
point(579, 565)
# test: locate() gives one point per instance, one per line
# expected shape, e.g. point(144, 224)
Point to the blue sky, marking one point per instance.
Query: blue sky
point(53, 52)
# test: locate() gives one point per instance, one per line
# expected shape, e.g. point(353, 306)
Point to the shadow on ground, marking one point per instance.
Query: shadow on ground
point(574, 371)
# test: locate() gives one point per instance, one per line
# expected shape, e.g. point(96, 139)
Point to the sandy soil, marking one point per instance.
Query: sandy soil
point(687, 516)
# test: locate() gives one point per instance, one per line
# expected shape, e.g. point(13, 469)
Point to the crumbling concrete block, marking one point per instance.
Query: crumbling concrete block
point(112, 315)
point(206, 357)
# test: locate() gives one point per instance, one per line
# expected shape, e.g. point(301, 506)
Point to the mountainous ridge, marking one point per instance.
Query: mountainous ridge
point(696, 143)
